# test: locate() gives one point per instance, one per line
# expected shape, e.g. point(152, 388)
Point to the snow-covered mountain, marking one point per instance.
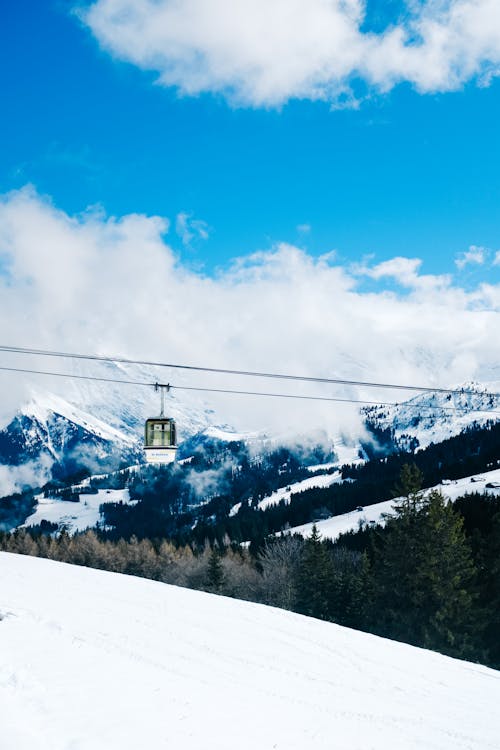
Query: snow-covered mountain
point(95, 660)
point(97, 427)
point(57, 439)
point(434, 417)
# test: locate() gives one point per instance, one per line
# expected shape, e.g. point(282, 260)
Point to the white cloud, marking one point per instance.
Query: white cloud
point(265, 52)
point(475, 255)
point(18, 478)
point(100, 284)
point(496, 261)
point(402, 270)
point(188, 228)
point(303, 228)
point(405, 272)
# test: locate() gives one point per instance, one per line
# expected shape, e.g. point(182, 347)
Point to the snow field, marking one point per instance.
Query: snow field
point(75, 516)
point(91, 660)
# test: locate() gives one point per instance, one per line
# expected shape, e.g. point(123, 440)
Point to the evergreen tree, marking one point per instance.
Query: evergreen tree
point(314, 579)
point(424, 577)
point(409, 488)
point(490, 571)
point(351, 591)
point(448, 577)
point(215, 572)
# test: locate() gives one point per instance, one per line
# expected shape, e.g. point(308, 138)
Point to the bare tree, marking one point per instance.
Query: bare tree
point(279, 560)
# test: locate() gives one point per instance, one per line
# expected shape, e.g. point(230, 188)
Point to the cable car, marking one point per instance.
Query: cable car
point(160, 435)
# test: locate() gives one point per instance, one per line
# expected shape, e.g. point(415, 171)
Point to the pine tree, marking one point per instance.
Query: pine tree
point(351, 593)
point(448, 576)
point(314, 579)
point(215, 572)
point(490, 564)
point(409, 489)
point(424, 577)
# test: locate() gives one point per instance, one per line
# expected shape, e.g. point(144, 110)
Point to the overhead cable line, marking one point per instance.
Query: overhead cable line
point(76, 377)
point(249, 373)
point(169, 386)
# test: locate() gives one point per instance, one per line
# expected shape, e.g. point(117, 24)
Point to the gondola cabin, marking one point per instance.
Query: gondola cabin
point(160, 440)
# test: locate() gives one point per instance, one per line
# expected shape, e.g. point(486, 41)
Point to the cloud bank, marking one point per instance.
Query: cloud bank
point(265, 52)
point(106, 285)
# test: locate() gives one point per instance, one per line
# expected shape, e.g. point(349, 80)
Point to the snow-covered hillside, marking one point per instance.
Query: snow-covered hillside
point(99, 661)
point(78, 515)
point(285, 493)
point(331, 528)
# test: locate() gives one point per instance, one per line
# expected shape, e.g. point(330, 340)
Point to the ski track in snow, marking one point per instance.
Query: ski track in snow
point(91, 660)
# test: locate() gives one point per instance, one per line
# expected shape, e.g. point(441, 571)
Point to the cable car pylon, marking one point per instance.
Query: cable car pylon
point(160, 434)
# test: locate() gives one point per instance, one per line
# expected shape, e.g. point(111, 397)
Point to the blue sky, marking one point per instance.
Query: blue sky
point(403, 173)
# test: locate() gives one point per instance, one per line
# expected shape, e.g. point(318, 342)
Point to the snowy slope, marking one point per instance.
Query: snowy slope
point(285, 493)
point(44, 407)
point(331, 528)
point(91, 660)
point(75, 516)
